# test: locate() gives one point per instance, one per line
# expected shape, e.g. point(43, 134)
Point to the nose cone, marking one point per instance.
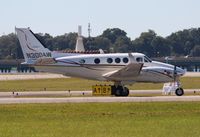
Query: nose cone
point(171, 68)
point(179, 71)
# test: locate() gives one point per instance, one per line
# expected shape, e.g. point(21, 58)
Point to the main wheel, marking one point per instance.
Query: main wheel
point(121, 91)
point(118, 91)
point(125, 92)
point(179, 92)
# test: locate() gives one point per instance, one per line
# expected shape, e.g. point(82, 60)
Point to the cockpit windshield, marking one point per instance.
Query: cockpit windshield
point(146, 59)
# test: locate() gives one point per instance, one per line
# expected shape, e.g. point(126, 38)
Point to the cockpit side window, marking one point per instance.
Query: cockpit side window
point(139, 59)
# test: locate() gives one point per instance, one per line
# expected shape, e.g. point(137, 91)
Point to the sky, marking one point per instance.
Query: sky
point(58, 17)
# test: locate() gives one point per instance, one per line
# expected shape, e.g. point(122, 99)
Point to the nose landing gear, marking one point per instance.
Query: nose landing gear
point(173, 87)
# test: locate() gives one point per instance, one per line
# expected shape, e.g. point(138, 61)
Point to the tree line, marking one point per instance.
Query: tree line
point(181, 43)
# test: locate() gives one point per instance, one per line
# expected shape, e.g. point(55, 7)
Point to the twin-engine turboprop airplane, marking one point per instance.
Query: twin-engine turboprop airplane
point(120, 68)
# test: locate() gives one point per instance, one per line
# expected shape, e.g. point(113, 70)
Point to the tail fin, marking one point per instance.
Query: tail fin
point(32, 48)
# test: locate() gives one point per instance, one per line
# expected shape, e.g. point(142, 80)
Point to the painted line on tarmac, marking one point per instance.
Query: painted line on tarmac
point(98, 99)
point(82, 93)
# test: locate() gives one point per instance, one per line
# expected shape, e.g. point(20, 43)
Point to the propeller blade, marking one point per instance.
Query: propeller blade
point(175, 73)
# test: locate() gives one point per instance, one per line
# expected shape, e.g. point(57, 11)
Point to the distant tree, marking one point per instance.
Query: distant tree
point(177, 44)
point(161, 47)
point(143, 43)
point(195, 51)
point(123, 44)
point(118, 39)
point(60, 42)
point(71, 38)
point(188, 47)
point(185, 42)
point(9, 47)
point(113, 34)
point(102, 43)
point(63, 42)
point(97, 43)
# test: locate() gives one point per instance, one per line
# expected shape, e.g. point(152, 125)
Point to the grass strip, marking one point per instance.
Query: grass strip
point(175, 119)
point(65, 84)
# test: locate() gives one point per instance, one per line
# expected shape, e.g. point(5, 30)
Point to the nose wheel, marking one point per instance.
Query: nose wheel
point(179, 92)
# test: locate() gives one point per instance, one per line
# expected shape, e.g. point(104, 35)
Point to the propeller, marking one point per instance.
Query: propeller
point(175, 73)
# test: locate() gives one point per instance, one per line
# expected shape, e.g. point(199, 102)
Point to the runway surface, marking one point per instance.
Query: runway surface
point(87, 93)
point(26, 76)
point(86, 97)
point(98, 99)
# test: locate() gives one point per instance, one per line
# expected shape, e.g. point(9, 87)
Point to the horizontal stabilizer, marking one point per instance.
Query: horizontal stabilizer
point(45, 61)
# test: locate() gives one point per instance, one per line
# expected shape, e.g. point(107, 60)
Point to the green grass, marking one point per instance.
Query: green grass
point(81, 84)
point(175, 119)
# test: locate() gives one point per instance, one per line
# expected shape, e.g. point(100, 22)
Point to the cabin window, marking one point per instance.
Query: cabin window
point(117, 60)
point(109, 60)
point(97, 61)
point(82, 61)
point(139, 59)
point(125, 60)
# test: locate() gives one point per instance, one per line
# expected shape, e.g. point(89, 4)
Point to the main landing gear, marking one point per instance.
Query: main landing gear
point(119, 90)
point(116, 90)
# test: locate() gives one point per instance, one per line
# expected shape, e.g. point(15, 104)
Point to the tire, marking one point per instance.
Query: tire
point(179, 92)
point(118, 91)
point(125, 92)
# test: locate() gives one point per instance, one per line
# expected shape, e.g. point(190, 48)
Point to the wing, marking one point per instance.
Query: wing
point(45, 61)
point(127, 72)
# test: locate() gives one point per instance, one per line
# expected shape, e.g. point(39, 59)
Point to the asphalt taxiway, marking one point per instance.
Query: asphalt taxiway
point(98, 99)
point(86, 93)
point(86, 97)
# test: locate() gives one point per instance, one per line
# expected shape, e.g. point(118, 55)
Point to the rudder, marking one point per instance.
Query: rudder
point(31, 47)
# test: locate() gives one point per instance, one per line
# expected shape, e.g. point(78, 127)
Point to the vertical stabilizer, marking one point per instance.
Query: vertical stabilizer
point(79, 41)
point(32, 48)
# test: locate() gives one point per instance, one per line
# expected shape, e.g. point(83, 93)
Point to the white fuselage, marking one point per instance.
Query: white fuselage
point(94, 66)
